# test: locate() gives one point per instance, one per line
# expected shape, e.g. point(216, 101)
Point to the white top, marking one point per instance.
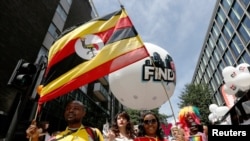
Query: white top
point(119, 139)
point(122, 139)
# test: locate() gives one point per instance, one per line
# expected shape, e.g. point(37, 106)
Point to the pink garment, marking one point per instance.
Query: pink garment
point(166, 129)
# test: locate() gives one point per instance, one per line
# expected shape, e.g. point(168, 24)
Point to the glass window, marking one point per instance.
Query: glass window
point(218, 78)
point(202, 67)
point(216, 55)
point(53, 31)
point(220, 17)
point(227, 4)
point(245, 58)
point(84, 89)
point(69, 2)
point(236, 13)
point(204, 59)
point(234, 50)
point(199, 73)
point(228, 58)
point(202, 81)
point(211, 63)
point(219, 98)
point(196, 81)
point(212, 38)
point(215, 31)
point(208, 51)
point(209, 72)
point(222, 45)
point(221, 66)
point(236, 46)
point(234, 16)
point(211, 43)
point(238, 43)
point(246, 2)
point(206, 78)
point(244, 29)
point(228, 30)
point(205, 55)
point(215, 82)
point(61, 12)
point(226, 33)
point(213, 85)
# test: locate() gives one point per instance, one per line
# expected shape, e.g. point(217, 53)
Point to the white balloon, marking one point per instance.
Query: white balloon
point(244, 89)
point(231, 88)
point(224, 123)
point(212, 116)
point(221, 111)
point(212, 107)
point(243, 67)
point(243, 80)
point(229, 73)
point(142, 86)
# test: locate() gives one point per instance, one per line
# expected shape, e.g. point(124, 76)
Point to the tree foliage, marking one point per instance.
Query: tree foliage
point(136, 114)
point(198, 95)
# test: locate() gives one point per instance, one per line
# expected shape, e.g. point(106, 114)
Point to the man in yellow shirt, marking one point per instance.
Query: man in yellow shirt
point(73, 114)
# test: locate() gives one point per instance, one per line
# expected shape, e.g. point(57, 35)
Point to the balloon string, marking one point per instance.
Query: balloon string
point(170, 104)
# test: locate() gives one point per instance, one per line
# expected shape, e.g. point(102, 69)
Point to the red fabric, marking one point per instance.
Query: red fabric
point(166, 129)
point(96, 73)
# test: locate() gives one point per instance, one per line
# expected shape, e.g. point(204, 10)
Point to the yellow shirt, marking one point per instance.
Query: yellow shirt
point(80, 135)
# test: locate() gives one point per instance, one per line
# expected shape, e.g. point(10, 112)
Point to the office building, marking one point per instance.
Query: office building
point(28, 29)
point(226, 44)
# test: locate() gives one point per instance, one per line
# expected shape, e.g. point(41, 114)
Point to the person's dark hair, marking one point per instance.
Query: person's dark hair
point(142, 131)
point(129, 127)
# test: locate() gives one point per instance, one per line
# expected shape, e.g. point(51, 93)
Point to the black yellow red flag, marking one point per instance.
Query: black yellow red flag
point(91, 51)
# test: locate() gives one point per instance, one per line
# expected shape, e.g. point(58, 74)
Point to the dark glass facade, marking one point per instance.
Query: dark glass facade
point(226, 44)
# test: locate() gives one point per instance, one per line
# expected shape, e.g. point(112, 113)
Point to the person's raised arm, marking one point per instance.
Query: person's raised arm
point(33, 132)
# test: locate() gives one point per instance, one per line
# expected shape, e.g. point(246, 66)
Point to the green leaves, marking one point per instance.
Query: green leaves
point(198, 95)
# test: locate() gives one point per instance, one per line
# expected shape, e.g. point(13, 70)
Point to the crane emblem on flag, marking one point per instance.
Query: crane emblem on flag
point(88, 46)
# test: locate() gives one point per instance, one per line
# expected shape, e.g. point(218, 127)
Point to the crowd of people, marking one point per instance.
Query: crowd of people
point(122, 129)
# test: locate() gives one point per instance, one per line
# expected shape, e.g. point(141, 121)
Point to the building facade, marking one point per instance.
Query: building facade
point(28, 29)
point(227, 43)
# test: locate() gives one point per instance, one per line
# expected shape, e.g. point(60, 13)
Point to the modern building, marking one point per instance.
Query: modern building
point(227, 43)
point(27, 30)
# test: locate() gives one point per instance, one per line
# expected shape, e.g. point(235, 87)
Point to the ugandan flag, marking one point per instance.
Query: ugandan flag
point(91, 51)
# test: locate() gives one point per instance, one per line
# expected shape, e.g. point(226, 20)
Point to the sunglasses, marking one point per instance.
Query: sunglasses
point(152, 121)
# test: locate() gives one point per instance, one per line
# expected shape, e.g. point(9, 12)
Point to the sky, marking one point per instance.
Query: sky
point(178, 26)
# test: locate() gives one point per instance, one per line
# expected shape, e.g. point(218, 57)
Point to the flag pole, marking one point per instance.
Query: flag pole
point(119, 2)
point(169, 101)
point(37, 110)
point(94, 9)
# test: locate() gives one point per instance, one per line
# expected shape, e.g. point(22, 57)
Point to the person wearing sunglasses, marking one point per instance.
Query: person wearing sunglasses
point(150, 129)
point(122, 129)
